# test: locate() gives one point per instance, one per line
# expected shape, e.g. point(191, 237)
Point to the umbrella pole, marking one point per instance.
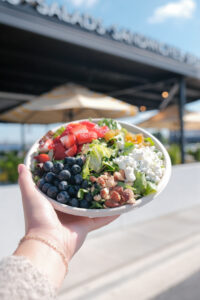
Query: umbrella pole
point(23, 137)
point(181, 115)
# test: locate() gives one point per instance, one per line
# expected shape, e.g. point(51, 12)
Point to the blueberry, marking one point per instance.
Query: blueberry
point(67, 167)
point(45, 187)
point(76, 169)
point(52, 192)
point(70, 161)
point(63, 197)
point(84, 203)
point(57, 167)
point(64, 175)
point(72, 191)
point(44, 174)
point(88, 197)
point(77, 187)
point(40, 183)
point(48, 165)
point(72, 181)
point(84, 184)
point(50, 176)
point(56, 182)
point(63, 186)
point(79, 161)
point(78, 179)
point(74, 202)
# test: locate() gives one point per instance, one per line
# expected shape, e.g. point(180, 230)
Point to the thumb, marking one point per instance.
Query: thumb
point(35, 204)
point(25, 181)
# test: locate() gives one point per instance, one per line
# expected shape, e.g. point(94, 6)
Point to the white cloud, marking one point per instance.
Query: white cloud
point(183, 9)
point(88, 3)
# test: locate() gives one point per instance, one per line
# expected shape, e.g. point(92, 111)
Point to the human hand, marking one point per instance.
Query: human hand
point(67, 232)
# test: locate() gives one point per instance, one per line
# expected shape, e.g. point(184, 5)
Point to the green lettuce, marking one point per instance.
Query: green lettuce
point(149, 140)
point(150, 188)
point(59, 131)
point(112, 124)
point(109, 166)
point(96, 154)
point(86, 170)
point(142, 186)
point(128, 147)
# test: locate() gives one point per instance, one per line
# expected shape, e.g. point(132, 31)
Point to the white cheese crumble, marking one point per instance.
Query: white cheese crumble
point(120, 141)
point(143, 159)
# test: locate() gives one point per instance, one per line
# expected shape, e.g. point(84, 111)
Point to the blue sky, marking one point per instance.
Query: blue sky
point(175, 22)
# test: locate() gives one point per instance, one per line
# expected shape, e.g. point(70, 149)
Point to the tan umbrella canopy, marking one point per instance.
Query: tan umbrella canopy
point(68, 102)
point(169, 118)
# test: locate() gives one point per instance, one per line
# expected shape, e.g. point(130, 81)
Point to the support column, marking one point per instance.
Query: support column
point(182, 100)
point(22, 137)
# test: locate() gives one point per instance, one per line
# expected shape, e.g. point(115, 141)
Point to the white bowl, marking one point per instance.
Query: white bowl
point(93, 213)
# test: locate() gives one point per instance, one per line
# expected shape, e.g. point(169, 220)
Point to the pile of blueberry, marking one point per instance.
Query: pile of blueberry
point(62, 181)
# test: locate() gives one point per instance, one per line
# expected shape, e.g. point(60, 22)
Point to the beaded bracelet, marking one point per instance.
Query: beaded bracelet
point(48, 243)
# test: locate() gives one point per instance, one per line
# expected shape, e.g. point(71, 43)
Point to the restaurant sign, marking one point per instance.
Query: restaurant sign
point(88, 23)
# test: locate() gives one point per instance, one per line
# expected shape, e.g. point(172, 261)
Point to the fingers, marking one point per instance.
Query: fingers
point(32, 199)
point(25, 181)
point(97, 223)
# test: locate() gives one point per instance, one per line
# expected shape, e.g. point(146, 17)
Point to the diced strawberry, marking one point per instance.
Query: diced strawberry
point(42, 157)
point(71, 151)
point(46, 146)
point(59, 151)
point(86, 137)
point(101, 131)
point(68, 140)
point(77, 128)
point(65, 132)
point(56, 140)
point(79, 148)
point(88, 124)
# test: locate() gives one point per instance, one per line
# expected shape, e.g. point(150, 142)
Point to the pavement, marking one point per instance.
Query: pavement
point(158, 259)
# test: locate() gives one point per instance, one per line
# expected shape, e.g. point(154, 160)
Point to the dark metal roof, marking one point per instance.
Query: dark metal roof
point(38, 53)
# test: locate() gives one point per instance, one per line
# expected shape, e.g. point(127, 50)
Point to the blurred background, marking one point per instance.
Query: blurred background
point(146, 54)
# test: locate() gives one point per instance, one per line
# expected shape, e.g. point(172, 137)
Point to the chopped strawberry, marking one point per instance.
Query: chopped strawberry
point(56, 140)
point(86, 137)
point(101, 131)
point(71, 151)
point(65, 132)
point(46, 146)
point(79, 148)
point(59, 151)
point(77, 128)
point(68, 140)
point(42, 157)
point(88, 124)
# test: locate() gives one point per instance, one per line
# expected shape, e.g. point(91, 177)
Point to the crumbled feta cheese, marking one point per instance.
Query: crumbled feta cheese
point(120, 141)
point(143, 159)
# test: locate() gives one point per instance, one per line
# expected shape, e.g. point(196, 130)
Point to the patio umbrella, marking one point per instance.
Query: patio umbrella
point(66, 103)
point(169, 118)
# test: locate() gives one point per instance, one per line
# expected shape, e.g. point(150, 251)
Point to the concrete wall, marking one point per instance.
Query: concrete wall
point(183, 191)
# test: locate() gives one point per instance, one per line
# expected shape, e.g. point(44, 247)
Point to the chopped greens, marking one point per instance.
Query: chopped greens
point(59, 131)
point(96, 204)
point(112, 124)
point(149, 140)
point(81, 193)
point(128, 147)
point(86, 170)
point(142, 186)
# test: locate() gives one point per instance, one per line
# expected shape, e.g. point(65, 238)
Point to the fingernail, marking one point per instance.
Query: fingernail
point(20, 167)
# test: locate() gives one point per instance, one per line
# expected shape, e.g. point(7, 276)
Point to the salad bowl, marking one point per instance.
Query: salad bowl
point(92, 213)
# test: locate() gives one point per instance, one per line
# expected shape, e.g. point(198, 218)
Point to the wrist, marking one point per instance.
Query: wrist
point(45, 256)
